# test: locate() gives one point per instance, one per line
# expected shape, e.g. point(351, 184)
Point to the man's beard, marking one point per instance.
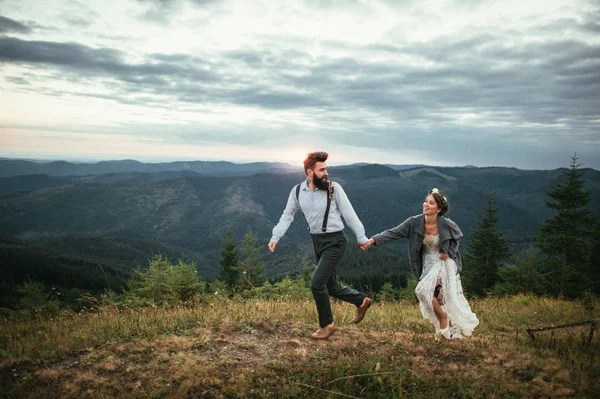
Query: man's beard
point(322, 184)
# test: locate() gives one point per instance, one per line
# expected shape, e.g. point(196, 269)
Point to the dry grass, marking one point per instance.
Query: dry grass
point(262, 349)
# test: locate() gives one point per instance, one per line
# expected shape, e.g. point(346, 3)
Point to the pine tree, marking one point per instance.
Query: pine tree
point(157, 280)
point(524, 277)
point(185, 281)
point(251, 267)
point(35, 301)
point(565, 240)
point(163, 282)
point(229, 263)
point(486, 252)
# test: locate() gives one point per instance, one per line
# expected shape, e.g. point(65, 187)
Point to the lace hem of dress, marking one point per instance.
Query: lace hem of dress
point(462, 320)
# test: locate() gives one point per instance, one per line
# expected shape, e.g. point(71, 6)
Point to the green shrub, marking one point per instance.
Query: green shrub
point(35, 301)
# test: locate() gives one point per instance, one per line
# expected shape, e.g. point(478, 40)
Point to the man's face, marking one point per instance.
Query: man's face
point(319, 175)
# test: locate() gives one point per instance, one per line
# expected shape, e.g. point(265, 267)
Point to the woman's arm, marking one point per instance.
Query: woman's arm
point(395, 233)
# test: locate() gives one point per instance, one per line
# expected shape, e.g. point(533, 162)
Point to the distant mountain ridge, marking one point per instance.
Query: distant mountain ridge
point(52, 225)
point(10, 168)
point(391, 166)
point(19, 167)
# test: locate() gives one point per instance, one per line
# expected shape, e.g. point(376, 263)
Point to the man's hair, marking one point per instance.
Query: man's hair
point(313, 158)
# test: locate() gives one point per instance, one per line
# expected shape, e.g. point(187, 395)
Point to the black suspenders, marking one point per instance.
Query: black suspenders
point(329, 197)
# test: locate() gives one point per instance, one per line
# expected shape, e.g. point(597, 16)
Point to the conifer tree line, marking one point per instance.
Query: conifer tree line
point(242, 274)
point(560, 263)
point(240, 270)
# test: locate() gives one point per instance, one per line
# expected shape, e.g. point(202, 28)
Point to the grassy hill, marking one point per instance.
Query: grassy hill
point(261, 349)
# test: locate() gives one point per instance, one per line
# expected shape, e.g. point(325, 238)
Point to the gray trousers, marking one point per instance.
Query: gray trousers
point(329, 249)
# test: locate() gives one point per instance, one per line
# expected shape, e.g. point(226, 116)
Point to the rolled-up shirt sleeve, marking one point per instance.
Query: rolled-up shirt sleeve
point(349, 215)
point(287, 217)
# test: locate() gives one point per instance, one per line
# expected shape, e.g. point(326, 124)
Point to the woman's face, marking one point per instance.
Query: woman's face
point(430, 207)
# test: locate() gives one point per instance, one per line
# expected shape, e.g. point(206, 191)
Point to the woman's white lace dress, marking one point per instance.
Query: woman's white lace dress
point(435, 272)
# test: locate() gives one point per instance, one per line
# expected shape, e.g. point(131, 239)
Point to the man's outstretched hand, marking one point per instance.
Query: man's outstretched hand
point(272, 246)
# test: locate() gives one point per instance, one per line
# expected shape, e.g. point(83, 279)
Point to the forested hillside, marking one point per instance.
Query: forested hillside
point(101, 226)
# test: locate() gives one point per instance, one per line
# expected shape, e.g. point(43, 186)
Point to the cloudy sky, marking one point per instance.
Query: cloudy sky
point(465, 82)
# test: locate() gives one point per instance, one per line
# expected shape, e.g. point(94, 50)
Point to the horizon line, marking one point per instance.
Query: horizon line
point(76, 160)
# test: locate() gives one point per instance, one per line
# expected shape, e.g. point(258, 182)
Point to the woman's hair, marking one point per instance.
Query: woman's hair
point(440, 200)
point(313, 158)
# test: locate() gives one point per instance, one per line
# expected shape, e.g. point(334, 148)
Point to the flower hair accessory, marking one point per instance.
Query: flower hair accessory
point(442, 198)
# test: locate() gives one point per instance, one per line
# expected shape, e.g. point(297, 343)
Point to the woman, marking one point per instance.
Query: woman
point(435, 261)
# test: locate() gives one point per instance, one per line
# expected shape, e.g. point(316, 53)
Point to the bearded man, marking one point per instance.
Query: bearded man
point(324, 204)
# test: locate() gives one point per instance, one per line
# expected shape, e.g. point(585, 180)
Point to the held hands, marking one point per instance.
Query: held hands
point(367, 244)
point(272, 245)
point(443, 256)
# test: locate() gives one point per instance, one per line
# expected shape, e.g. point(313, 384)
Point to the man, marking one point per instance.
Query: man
point(324, 204)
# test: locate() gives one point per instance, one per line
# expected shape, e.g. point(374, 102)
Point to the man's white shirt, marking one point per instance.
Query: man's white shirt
point(313, 205)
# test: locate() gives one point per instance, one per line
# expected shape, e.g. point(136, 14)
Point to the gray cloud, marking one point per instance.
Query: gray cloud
point(79, 21)
point(17, 80)
point(501, 87)
point(101, 61)
point(8, 25)
point(541, 82)
point(161, 11)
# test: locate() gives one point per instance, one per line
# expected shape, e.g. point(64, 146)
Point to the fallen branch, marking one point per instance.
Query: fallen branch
point(593, 322)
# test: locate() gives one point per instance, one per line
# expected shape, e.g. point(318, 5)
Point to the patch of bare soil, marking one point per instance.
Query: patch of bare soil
point(253, 360)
